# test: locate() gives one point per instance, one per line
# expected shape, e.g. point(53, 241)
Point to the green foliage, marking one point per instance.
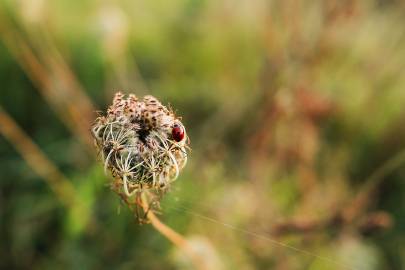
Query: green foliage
point(290, 107)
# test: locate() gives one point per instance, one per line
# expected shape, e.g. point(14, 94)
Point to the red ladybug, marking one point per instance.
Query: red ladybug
point(177, 132)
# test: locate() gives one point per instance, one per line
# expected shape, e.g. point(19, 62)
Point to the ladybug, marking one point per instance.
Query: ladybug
point(178, 132)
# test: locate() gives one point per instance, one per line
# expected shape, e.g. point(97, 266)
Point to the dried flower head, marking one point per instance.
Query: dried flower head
point(142, 143)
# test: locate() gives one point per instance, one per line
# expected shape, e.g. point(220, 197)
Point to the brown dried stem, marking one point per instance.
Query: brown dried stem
point(54, 80)
point(174, 237)
point(363, 197)
point(36, 159)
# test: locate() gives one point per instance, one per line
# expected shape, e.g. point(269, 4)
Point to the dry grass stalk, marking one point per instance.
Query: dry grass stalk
point(55, 81)
point(37, 160)
point(143, 144)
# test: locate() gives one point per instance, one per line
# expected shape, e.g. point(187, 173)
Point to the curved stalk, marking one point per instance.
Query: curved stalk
point(174, 237)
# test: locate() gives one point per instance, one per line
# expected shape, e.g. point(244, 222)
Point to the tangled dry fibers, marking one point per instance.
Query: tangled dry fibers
point(141, 142)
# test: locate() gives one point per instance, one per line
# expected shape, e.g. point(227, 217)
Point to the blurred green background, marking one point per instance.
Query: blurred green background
point(295, 110)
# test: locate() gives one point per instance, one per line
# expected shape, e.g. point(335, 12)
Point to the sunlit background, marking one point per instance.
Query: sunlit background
point(295, 110)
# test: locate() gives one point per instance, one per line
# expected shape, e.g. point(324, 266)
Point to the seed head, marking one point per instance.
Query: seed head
point(141, 142)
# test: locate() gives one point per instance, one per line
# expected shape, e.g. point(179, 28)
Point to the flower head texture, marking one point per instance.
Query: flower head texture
point(141, 142)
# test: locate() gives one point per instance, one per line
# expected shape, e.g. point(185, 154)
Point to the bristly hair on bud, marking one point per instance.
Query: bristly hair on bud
point(138, 141)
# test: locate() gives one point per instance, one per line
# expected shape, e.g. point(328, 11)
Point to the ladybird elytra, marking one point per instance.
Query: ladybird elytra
point(177, 132)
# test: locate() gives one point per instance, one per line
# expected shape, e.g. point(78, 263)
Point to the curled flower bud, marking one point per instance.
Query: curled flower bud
point(141, 142)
